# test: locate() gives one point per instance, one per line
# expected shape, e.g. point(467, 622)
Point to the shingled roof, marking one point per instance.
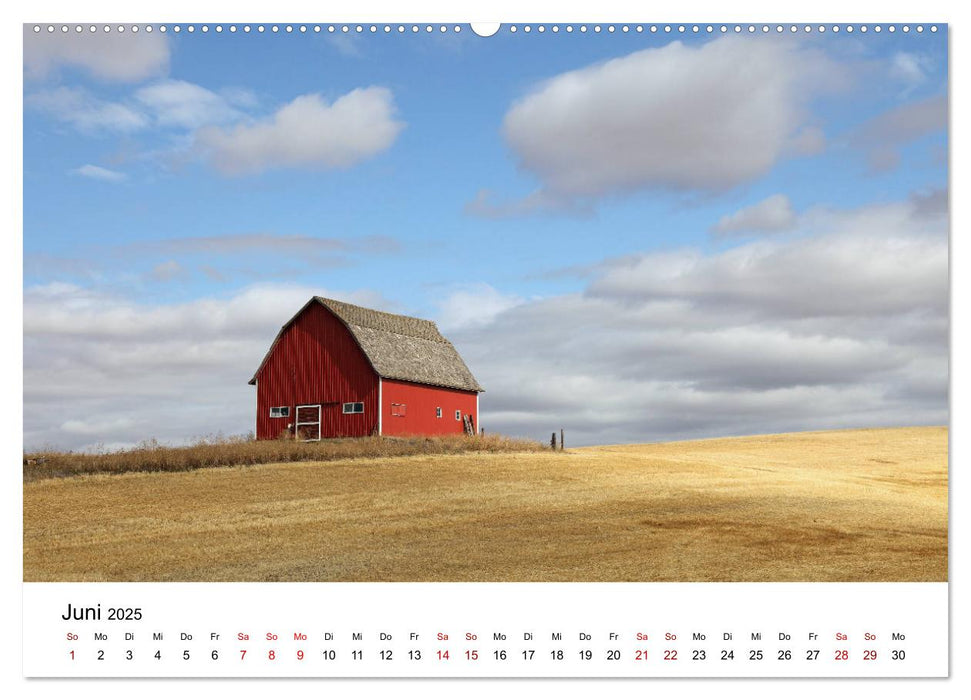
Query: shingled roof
point(398, 347)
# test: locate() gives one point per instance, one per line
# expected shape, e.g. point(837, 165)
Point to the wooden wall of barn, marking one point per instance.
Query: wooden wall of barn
point(420, 402)
point(317, 361)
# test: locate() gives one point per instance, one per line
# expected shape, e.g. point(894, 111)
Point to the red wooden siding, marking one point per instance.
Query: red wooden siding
point(420, 402)
point(317, 361)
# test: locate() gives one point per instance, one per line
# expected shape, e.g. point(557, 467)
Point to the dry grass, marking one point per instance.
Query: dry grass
point(239, 451)
point(863, 505)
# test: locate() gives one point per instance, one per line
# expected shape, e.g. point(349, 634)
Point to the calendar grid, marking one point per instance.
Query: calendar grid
point(486, 630)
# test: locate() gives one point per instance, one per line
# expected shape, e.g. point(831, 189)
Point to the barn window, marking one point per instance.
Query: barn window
point(279, 411)
point(354, 407)
point(458, 415)
point(438, 412)
point(398, 409)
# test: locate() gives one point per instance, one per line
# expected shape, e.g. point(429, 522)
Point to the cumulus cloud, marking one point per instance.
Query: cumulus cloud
point(771, 215)
point(85, 112)
point(101, 369)
point(96, 172)
point(110, 56)
point(220, 126)
point(308, 132)
point(880, 259)
point(843, 323)
point(882, 137)
point(702, 118)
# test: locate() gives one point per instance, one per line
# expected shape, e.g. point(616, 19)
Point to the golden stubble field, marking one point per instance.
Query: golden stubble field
point(855, 505)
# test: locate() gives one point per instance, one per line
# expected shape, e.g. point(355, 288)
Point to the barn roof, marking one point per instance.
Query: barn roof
point(398, 347)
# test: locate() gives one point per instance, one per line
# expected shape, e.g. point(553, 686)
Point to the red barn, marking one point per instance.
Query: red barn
point(339, 370)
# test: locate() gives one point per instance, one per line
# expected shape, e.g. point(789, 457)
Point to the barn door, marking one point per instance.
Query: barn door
point(307, 427)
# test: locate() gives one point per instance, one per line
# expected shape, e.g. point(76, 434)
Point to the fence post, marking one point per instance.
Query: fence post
point(561, 439)
point(553, 441)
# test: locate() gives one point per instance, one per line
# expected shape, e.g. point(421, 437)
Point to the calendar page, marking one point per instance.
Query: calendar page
point(429, 349)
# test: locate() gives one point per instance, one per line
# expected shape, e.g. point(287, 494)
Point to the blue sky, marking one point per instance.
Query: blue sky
point(592, 181)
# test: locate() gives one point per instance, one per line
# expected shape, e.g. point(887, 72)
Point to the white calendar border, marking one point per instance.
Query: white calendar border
point(420, 10)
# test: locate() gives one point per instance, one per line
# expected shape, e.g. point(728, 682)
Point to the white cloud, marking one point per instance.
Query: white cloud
point(96, 172)
point(473, 306)
point(111, 56)
point(100, 369)
point(169, 104)
point(307, 132)
point(843, 323)
point(177, 103)
point(702, 118)
point(875, 260)
point(218, 126)
point(85, 112)
point(882, 137)
point(65, 310)
point(771, 215)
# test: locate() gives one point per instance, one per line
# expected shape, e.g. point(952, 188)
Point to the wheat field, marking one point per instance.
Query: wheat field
point(854, 505)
